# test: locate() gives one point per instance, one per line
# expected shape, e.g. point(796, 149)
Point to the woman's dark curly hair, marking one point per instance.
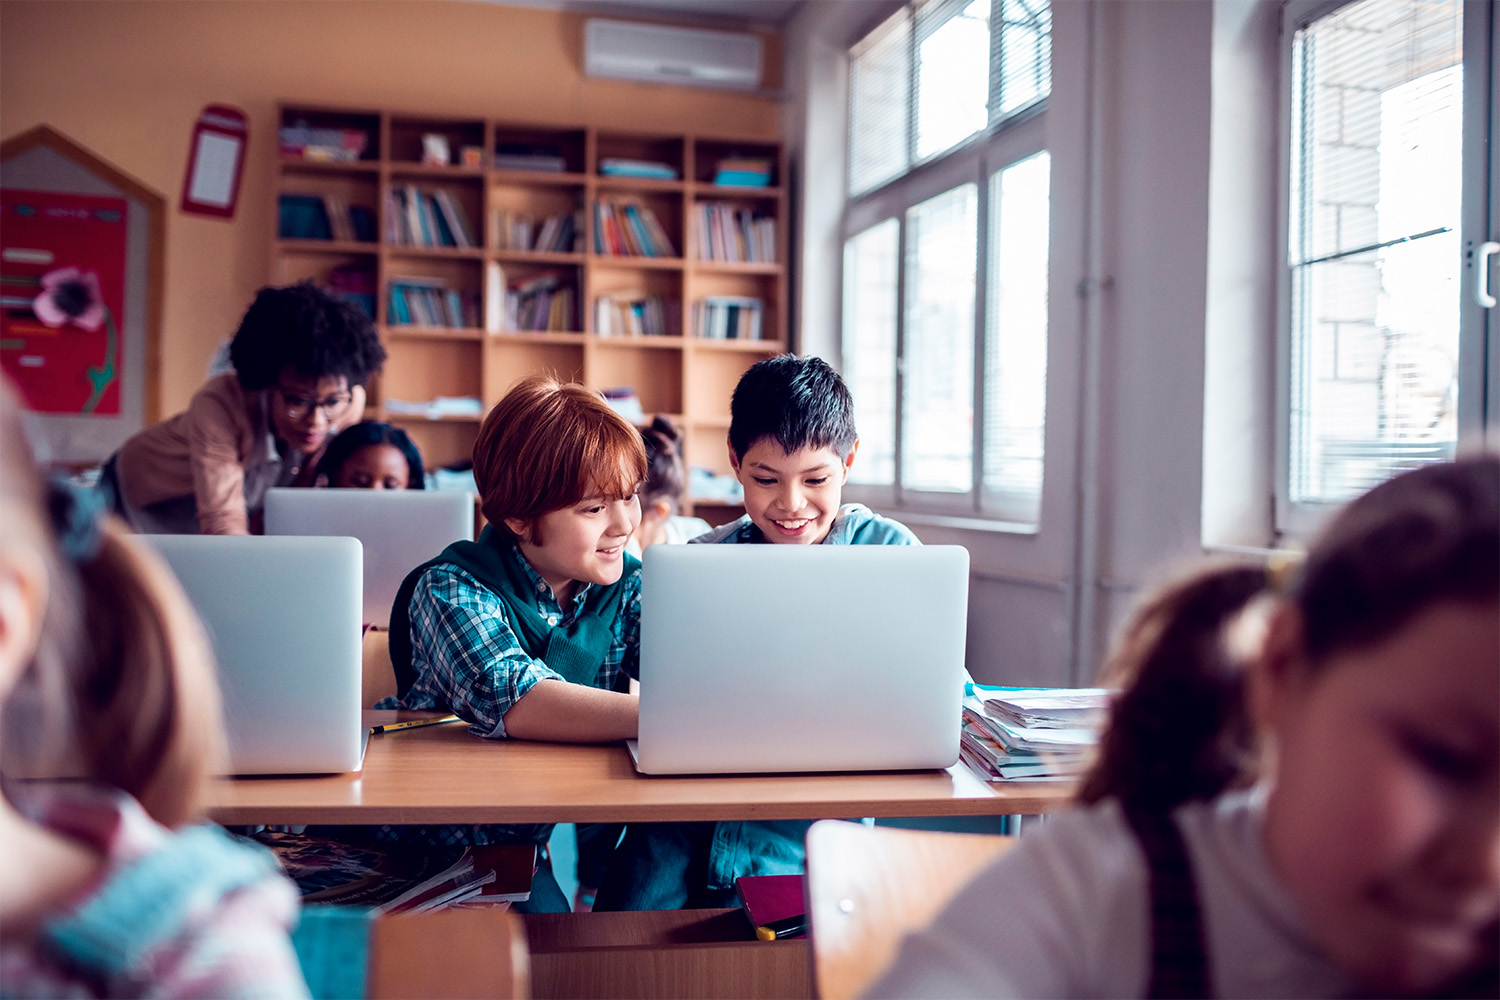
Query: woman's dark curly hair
point(312, 331)
point(363, 435)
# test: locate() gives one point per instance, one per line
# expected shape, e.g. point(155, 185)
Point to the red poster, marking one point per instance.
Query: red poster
point(62, 294)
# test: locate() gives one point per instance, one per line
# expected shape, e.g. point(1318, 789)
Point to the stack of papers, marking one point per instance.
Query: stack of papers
point(1035, 734)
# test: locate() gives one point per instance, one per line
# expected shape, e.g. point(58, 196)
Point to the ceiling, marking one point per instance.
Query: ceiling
point(730, 12)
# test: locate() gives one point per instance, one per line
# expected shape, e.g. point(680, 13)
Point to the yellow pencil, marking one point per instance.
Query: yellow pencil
point(413, 723)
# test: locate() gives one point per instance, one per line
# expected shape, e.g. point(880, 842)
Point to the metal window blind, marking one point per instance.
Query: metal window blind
point(1374, 256)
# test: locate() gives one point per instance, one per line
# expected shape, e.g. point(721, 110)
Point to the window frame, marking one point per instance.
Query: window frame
point(1479, 333)
point(976, 160)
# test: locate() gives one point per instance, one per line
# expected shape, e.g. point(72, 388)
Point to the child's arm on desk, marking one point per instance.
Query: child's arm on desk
point(572, 713)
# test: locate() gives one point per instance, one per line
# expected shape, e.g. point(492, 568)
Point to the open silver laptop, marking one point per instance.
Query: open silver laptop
point(283, 616)
point(778, 658)
point(400, 530)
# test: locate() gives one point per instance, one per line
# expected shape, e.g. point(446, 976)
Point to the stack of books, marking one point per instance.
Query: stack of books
point(743, 171)
point(327, 145)
point(541, 157)
point(616, 166)
point(392, 878)
point(1031, 734)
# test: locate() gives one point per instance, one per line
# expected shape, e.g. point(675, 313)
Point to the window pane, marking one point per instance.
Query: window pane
point(1015, 390)
point(1377, 156)
point(879, 91)
point(1024, 74)
point(953, 73)
point(870, 349)
point(938, 357)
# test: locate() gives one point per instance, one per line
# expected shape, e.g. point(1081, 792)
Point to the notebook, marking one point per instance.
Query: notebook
point(283, 617)
point(788, 658)
point(400, 530)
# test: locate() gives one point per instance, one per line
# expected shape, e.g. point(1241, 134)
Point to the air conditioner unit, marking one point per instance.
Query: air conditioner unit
point(628, 50)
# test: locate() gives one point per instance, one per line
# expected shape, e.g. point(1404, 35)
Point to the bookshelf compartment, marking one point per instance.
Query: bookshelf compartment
point(637, 225)
point(421, 370)
point(507, 359)
point(655, 375)
point(533, 150)
point(532, 297)
point(735, 307)
point(624, 156)
point(437, 142)
point(627, 301)
point(428, 214)
point(546, 220)
point(732, 163)
point(440, 442)
point(312, 135)
point(426, 292)
point(715, 374)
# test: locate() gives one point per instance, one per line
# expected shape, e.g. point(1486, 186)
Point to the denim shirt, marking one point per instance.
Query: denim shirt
point(855, 524)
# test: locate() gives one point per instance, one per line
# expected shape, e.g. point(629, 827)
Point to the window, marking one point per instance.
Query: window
point(945, 257)
point(1375, 349)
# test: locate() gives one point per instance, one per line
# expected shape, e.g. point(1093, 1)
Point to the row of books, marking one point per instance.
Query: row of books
point(728, 317)
point(724, 232)
point(557, 233)
point(391, 878)
point(426, 218)
point(634, 314)
point(430, 302)
point(355, 282)
point(627, 228)
point(543, 302)
point(1031, 734)
point(323, 217)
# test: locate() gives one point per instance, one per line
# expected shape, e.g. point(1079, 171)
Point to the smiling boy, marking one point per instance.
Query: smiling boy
point(791, 443)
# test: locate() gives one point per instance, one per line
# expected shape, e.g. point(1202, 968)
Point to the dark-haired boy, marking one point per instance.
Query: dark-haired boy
point(791, 443)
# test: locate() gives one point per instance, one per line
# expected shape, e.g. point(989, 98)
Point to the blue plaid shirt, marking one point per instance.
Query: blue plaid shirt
point(467, 657)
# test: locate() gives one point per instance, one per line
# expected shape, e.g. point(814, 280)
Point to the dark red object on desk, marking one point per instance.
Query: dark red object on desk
point(772, 899)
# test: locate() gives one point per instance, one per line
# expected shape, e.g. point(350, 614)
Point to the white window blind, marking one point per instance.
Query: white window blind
point(1374, 255)
point(879, 95)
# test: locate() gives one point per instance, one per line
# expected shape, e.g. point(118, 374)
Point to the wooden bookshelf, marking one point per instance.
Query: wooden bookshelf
point(713, 296)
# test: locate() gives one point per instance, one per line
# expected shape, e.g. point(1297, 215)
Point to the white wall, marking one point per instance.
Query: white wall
point(1129, 126)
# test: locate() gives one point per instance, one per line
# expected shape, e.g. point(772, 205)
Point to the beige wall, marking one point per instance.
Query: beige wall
point(127, 78)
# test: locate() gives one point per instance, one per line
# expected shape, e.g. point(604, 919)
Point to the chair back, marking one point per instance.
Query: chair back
point(867, 887)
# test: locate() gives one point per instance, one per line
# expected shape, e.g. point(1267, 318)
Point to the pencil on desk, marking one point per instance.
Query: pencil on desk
point(413, 723)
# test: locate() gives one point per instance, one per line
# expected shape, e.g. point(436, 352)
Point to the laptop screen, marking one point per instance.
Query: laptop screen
point(774, 658)
point(400, 530)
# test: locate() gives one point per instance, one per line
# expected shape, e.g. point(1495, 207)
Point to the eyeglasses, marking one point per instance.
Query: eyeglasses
point(298, 407)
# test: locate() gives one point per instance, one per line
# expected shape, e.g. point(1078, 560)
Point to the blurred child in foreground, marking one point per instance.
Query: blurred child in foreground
point(108, 886)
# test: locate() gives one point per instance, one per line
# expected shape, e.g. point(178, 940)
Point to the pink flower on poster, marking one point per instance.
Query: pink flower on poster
point(70, 296)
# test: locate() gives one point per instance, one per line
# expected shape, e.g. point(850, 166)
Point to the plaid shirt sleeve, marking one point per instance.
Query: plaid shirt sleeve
point(467, 657)
point(469, 660)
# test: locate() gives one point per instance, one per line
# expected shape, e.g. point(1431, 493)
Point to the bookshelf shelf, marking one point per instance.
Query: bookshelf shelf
point(502, 183)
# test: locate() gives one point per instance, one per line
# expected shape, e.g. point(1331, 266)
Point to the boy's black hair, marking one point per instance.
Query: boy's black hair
point(314, 332)
point(364, 434)
point(799, 402)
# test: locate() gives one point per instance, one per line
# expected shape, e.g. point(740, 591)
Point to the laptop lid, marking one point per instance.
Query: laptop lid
point(283, 617)
point(400, 530)
point(777, 658)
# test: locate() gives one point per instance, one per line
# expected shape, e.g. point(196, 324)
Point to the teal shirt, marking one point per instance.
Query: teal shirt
point(855, 524)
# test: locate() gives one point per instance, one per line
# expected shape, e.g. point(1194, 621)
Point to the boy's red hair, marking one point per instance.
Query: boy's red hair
point(549, 444)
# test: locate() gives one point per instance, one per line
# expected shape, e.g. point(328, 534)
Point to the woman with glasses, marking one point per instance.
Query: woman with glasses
point(301, 357)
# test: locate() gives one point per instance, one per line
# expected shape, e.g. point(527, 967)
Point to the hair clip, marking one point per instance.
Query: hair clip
point(76, 519)
point(1283, 566)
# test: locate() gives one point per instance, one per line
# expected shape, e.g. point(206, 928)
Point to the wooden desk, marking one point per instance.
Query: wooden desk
point(444, 774)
